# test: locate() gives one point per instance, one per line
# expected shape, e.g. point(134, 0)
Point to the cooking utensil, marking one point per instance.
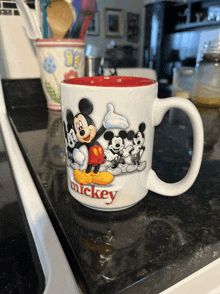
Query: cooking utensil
point(76, 27)
point(31, 27)
point(44, 4)
point(60, 17)
point(89, 8)
point(85, 26)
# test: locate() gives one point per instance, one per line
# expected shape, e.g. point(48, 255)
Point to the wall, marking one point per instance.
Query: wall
point(135, 6)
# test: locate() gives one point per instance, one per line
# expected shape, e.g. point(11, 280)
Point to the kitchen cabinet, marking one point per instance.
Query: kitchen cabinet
point(172, 35)
point(196, 15)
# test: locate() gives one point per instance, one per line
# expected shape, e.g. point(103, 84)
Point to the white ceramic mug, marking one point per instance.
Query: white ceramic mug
point(109, 132)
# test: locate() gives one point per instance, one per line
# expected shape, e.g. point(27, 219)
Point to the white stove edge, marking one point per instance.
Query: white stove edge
point(204, 281)
point(58, 275)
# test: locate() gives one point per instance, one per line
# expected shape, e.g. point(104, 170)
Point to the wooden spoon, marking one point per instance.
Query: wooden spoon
point(60, 17)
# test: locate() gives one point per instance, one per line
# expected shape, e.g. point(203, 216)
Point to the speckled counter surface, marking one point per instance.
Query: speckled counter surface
point(144, 249)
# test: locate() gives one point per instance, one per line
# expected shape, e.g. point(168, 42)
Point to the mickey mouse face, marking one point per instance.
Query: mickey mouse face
point(69, 132)
point(138, 139)
point(117, 144)
point(85, 133)
point(71, 138)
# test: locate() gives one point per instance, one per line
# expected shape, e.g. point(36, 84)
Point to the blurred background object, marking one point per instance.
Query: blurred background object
point(183, 80)
point(89, 8)
point(211, 123)
point(92, 65)
point(214, 13)
point(92, 61)
point(31, 25)
point(43, 8)
point(206, 89)
point(142, 72)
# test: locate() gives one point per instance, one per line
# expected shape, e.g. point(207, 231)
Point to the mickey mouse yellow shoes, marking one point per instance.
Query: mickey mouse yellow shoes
point(82, 177)
point(101, 178)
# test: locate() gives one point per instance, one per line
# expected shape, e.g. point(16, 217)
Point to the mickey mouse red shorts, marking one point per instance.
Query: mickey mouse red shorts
point(96, 155)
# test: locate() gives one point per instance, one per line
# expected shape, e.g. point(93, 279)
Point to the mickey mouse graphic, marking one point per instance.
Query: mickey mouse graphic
point(117, 152)
point(87, 135)
point(71, 139)
point(138, 149)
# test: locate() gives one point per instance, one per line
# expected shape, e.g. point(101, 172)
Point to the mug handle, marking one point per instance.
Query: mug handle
point(160, 107)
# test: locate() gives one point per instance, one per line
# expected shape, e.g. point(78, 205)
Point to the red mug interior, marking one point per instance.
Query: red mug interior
point(112, 81)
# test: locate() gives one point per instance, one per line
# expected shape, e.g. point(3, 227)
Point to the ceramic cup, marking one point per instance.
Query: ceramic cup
point(109, 132)
point(59, 60)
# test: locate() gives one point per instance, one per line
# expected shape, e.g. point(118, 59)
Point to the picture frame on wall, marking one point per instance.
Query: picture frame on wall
point(113, 23)
point(133, 27)
point(93, 29)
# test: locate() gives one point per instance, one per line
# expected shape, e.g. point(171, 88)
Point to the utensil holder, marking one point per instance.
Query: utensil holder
point(59, 59)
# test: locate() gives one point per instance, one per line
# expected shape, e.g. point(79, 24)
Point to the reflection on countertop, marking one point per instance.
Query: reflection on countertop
point(150, 246)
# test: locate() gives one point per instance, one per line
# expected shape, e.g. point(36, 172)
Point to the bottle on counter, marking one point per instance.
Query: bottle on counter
point(206, 94)
point(206, 88)
point(183, 80)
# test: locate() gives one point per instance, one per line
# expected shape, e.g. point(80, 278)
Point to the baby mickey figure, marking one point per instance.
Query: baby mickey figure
point(87, 135)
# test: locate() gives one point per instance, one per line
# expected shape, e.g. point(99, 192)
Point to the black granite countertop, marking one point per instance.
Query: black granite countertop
point(144, 249)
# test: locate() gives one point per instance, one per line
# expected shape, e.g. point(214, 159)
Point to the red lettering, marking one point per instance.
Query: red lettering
point(81, 188)
point(112, 196)
point(74, 187)
point(103, 193)
point(94, 193)
point(85, 191)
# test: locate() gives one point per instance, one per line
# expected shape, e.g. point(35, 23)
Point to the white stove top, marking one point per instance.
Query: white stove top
point(58, 275)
